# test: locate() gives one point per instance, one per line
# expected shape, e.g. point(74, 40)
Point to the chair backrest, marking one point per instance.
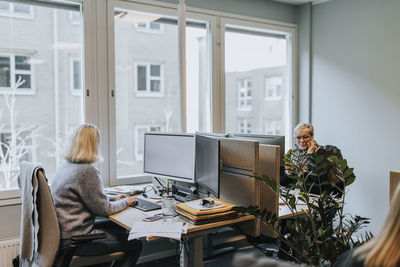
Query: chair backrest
point(49, 230)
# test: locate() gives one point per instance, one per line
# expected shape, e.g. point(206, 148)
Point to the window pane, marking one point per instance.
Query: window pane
point(4, 7)
point(42, 127)
point(141, 74)
point(254, 54)
point(198, 76)
point(27, 81)
point(154, 26)
point(155, 70)
point(155, 86)
point(77, 74)
point(146, 106)
point(5, 72)
point(22, 63)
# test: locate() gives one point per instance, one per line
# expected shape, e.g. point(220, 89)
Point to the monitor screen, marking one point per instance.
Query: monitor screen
point(207, 163)
point(278, 140)
point(169, 155)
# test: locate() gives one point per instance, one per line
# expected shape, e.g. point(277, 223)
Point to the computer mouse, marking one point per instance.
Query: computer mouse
point(133, 204)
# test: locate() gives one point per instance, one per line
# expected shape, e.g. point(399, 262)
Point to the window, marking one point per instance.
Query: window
point(244, 94)
point(244, 126)
point(273, 88)
point(151, 27)
point(273, 127)
point(16, 74)
point(76, 80)
point(139, 139)
point(256, 65)
point(149, 80)
point(38, 53)
point(16, 10)
point(75, 17)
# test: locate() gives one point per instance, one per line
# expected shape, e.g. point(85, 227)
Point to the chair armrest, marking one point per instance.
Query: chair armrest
point(78, 239)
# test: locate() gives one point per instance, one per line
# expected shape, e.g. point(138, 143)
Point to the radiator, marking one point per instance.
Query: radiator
point(9, 249)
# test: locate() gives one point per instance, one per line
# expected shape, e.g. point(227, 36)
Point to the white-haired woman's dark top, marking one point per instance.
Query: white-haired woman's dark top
point(79, 197)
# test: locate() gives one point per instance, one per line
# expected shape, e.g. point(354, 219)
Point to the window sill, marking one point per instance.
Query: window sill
point(10, 197)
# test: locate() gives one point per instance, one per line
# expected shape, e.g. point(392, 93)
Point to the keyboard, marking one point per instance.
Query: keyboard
point(145, 205)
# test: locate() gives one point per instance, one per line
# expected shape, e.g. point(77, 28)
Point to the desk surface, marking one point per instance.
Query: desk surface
point(127, 217)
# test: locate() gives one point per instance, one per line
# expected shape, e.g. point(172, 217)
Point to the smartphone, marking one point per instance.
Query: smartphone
point(153, 218)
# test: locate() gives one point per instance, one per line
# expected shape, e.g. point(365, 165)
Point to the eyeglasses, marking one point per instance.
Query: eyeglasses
point(304, 137)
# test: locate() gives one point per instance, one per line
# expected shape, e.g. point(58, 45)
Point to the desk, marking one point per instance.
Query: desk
point(194, 257)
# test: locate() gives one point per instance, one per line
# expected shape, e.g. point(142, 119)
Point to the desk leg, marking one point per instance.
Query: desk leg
point(195, 250)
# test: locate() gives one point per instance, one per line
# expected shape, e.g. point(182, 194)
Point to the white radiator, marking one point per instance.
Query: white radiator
point(9, 249)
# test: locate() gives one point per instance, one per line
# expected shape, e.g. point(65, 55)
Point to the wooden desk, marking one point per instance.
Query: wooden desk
point(194, 257)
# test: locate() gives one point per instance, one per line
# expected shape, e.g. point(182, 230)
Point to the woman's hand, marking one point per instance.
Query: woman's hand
point(312, 146)
point(130, 200)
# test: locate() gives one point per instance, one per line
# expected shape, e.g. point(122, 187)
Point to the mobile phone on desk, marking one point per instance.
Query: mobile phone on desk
point(153, 218)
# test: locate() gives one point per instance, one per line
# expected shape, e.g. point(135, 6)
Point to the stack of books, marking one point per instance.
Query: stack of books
point(207, 210)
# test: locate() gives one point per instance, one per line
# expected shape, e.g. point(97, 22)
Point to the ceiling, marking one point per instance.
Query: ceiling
point(299, 2)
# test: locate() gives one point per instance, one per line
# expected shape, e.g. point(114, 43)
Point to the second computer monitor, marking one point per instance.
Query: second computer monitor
point(278, 140)
point(169, 155)
point(207, 163)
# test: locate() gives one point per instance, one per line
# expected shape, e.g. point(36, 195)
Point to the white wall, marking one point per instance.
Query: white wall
point(356, 94)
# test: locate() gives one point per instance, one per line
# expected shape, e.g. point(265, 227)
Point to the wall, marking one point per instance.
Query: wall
point(356, 94)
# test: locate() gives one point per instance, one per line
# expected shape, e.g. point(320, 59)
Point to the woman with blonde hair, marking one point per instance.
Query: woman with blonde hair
point(383, 249)
point(79, 197)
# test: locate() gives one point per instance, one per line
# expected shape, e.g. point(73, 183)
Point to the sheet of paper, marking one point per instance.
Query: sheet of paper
point(166, 229)
point(196, 204)
point(123, 189)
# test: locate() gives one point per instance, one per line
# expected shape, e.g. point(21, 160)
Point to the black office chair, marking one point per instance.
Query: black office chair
point(49, 234)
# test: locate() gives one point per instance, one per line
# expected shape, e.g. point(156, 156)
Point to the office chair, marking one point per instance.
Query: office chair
point(49, 235)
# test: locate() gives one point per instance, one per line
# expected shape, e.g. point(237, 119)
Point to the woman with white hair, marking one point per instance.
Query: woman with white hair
point(383, 249)
point(79, 197)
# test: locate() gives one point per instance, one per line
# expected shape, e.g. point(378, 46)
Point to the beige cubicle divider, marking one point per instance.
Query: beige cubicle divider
point(242, 159)
point(394, 182)
point(269, 158)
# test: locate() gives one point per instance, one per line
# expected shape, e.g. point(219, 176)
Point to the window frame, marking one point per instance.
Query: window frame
point(149, 78)
point(14, 72)
point(148, 28)
point(246, 122)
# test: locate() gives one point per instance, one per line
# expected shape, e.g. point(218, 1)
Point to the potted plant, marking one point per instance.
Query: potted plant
point(323, 232)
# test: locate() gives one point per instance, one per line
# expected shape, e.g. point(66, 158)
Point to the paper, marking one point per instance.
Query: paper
point(196, 204)
point(124, 189)
point(168, 229)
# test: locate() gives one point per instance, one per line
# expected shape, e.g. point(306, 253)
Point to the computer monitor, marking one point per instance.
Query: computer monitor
point(207, 163)
point(278, 140)
point(170, 156)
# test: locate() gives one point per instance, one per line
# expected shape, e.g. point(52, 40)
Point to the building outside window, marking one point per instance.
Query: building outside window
point(151, 27)
point(244, 126)
point(244, 94)
point(16, 10)
point(149, 79)
point(13, 68)
point(273, 127)
point(273, 88)
point(75, 17)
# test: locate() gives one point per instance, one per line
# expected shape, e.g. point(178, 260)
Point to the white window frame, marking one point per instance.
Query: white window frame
point(148, 29)
point(245, 128)
point(147, 128)
point(74, 91)
point(13, 72)
point(72, 20)
point(149, 78)
point(12, 13)
point(245, 89)
point(274, 125)
point(274, 96)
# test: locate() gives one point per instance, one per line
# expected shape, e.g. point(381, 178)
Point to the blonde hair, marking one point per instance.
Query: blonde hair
point(303, 126)
point(384, 249)
point(84, 144)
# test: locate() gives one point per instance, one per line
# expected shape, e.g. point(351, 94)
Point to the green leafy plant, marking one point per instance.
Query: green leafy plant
point(323, 232)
